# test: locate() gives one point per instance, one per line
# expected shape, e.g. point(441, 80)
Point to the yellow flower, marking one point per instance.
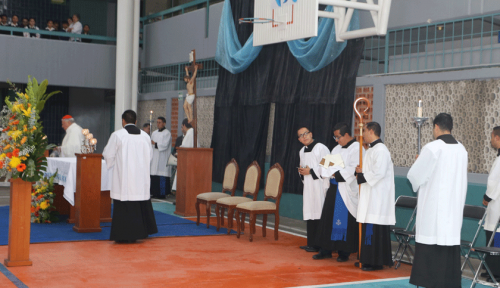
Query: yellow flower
point(2, 156)
point(27, 113)
point(44, 205)
point(15, 134)
point(14, 161)
point(26, 95)
point(23, 158)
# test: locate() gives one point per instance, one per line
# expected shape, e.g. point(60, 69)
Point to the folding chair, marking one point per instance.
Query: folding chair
point(476, 213)
point(405, 235)
point(482, 253)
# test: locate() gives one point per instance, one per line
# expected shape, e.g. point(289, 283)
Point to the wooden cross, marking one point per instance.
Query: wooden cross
point(195, 118)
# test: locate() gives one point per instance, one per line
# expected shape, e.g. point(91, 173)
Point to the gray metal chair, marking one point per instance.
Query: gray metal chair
point(482, 253)
point(476, 213)
point(405, 235)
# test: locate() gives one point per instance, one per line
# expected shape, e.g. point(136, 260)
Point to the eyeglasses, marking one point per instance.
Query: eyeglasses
point(304, 134)
point(337, 138)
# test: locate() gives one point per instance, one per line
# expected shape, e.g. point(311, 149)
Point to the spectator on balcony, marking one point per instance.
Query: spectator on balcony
point(76, 28)
point(50, 28)
point(65, 26)
point(32, 26)
point(15, 23)
point(4, 23)
point(25, 23)
point(70, 23)
point(86, 31)
point(56, 26)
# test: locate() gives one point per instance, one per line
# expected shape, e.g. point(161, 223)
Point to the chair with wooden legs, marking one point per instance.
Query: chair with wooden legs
point(272, 190)
point(228, 185)
point(250, 188)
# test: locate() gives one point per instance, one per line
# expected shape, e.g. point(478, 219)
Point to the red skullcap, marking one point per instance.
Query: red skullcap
point(67, 117)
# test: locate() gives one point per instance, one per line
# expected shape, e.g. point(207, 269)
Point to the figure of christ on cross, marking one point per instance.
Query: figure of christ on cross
point(190, 84)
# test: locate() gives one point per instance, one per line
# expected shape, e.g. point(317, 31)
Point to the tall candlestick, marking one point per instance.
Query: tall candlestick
point(151, 116)
point(419, 109)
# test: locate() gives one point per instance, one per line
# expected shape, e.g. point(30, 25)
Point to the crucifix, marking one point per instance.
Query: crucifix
point(190, 102)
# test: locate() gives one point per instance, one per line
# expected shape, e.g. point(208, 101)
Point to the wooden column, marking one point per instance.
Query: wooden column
point(19, 224)
point(194, 176)
point(88, 193)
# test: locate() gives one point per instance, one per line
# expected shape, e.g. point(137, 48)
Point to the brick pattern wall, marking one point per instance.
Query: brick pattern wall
point(174, 119)
point(366, 92)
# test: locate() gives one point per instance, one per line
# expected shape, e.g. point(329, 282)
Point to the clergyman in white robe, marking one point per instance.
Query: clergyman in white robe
point(376, 209)
point(187, 142)
point(129, 153)
point(439, 175)
point(73, 140)
point(160, 172)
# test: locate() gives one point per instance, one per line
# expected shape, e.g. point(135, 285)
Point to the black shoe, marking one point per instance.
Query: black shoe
point(303, 247)
point(342, 259)
point(320, 256)
point(311, 249)
point(484, 274)
point(371, 268)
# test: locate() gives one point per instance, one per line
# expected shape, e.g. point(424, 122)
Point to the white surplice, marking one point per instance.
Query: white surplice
point(314, 189)
point(349, 190)
point(187, 142)
point(493, 192)
point(73, 141)
point(440, 176)
point(130, 157)
point(161, 154)
point(377, 194)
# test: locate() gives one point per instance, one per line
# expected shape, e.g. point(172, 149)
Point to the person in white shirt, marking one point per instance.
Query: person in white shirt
point(129, 153)
point(73, 140)
point(50, 27)
point(439, 175)
point(146, 128)
point(32, 26)
point(376, 209)
point(187, 142)
point(315, 187)
point(76, 27)
point(161, 141)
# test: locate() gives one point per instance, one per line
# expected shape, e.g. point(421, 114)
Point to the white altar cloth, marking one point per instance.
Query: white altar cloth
point(66, 175)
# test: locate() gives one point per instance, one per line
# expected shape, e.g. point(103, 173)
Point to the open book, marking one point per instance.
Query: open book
point(332, 160)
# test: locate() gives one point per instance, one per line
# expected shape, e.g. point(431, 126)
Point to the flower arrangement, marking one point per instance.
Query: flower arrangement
point(22, 142)
point(42, 198)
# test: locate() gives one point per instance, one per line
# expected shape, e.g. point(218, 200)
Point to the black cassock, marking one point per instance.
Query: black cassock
point(379, 253)
point(132, 220)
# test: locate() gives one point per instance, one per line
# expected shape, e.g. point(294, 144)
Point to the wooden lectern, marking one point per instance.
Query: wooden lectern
point(88, 193)
point(19, 224)
point(194, 176)
point(64, 208)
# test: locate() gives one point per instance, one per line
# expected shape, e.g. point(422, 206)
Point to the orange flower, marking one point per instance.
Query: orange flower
point(12, 117)
point(15, 122)
point(9, 155)
point(39, 197)
point(1, 165)
point(32, 209)
point(15, 152)
point(21, 167)
point(6, 129)
point(6, 147)
point(25, 138)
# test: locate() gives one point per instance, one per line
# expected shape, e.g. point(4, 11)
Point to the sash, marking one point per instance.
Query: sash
point(340, 217)
point(496, 240)
point(368, 234)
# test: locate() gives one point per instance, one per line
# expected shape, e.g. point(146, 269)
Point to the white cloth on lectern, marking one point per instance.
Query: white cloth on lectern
point(130, 157)
point(163, 141)
point(72, 142)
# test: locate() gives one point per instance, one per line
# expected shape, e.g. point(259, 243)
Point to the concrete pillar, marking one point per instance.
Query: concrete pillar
point(135, 52)
point(124, 59)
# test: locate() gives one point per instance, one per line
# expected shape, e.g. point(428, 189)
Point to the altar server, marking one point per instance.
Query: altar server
point(314, 185)
point(491, 199)
point(161, 140)
point(129, 153)
point(376, 208)
point(440, 176)
point(338, 229)
point(187, 142)
point(73, 140)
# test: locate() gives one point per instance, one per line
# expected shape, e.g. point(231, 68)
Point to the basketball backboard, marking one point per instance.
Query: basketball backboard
point(298, 19)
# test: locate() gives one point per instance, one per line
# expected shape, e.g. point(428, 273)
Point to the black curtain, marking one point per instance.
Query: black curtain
point(319, 99)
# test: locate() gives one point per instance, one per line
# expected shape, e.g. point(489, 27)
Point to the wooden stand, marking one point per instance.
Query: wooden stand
point(19, 224)
point(194, 176)
point(64, 208)
point(88, 193)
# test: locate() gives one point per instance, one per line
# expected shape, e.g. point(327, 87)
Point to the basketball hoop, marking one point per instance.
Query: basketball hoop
point(258, 21)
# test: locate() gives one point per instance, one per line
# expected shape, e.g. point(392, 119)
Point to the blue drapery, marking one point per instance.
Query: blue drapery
point(230, 54)
point(312, 54)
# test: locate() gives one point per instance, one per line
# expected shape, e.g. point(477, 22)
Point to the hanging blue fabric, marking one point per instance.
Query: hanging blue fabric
point(368, 234)
point(230, 54)
point(317, 52)
point(340, 217)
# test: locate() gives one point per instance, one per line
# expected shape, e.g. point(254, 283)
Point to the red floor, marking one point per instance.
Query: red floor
point(205, 261)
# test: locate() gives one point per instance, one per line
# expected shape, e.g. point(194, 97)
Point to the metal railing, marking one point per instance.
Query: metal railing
point(463, 43)
point(64, 35)
point(171, 77)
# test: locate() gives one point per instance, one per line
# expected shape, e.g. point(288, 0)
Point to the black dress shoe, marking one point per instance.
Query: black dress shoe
point(303, 247)
point(311, 249)
point(320, 256)
point(342, 259)
point(371, 268)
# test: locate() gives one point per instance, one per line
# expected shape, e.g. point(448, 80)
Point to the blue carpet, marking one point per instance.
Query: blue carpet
point(168, 226)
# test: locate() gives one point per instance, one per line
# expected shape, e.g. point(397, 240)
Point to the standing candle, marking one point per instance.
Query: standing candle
point(419, 109)
point(151, 116)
